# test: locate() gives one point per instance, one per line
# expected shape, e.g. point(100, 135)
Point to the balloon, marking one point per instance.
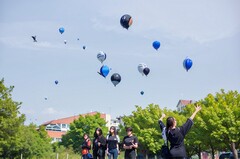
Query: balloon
point(146, 71)
point(45, 98)
point(142, 92)
point(156, 45)
point(187, 64)
point(104, 70)
point(84, 47)
point(101, 56)
point(61, 30)
point(65, 41)
point(116, 79)
point(141, 67)
point(56, 82)
point(126, 21)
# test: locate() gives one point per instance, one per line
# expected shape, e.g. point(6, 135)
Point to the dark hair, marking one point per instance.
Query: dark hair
point(170, 122)
point(95, 133)
point(129, 129)
point(85, 134)
point(115, 130)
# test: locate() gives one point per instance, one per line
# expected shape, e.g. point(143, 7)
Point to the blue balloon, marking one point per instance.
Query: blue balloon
point(187, 64)
point(61, 30)
point(156, 45)
point(104, 70)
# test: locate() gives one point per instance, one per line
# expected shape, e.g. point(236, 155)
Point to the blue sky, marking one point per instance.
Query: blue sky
point(208, 32)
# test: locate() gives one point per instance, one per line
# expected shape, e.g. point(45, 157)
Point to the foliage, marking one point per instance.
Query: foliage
point(10, 122)
point(87, 124)
point(34, 142)
point(219, 121)
point(145, 126)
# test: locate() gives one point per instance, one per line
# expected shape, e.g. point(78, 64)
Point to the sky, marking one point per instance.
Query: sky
point(207, 32)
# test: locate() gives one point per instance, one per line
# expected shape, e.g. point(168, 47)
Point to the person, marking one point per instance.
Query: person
point(175, 135)
point(86, 146)
point(112, 143)
point(99, 144)
point(130, 144)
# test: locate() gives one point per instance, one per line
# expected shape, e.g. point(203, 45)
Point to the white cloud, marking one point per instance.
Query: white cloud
point(51, 111)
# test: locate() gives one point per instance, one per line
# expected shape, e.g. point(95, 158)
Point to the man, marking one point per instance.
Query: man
point(130, 144)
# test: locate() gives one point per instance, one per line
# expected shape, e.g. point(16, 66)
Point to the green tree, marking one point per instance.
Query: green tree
point(222, 114)
point(145, 126)
point(217, 127)
point(34, 142)
point(11, 121)
point(87, 124)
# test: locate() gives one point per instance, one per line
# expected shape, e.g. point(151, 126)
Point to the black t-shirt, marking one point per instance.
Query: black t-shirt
point(112, 141)
point(130, 140)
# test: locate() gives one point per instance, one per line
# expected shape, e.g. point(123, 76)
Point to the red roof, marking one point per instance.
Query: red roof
point(56, 134)
point(69, 120)
point(185, 102)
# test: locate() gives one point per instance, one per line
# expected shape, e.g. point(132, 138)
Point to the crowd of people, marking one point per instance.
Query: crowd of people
point(109, 145)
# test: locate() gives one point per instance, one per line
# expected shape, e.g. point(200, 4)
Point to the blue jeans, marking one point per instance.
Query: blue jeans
point(114, 153)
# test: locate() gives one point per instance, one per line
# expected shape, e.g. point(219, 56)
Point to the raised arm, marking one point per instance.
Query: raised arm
point(163, 116)
point(160, 121)
point(197, 109)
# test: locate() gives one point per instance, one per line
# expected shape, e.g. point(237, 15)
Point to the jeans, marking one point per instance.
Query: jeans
point(84, 156)
point(114, 153)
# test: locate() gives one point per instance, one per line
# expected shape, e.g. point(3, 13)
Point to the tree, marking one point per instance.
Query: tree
point(34, 142)
point(145, 126)
point(87, 124)
point(222, 114)
point(11, 121)
point(219, 121)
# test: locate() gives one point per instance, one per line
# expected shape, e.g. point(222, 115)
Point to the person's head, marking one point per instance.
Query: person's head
point(85, 136)
point(113, 131)
point(129, 131)
point(171, 122)
point(98, 132)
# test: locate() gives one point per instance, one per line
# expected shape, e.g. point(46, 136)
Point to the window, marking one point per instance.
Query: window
point(64, 125)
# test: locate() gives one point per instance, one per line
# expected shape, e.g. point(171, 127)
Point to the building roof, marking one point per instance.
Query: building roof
point(184, 102)
point(69, 120)
point(56, 134)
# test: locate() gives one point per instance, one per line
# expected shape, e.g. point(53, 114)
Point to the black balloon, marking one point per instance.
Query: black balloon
point(146, 71)
point(116, 79)
point(126, 21)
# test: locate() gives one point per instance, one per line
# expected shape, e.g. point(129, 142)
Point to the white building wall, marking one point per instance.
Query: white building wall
point(108, 120)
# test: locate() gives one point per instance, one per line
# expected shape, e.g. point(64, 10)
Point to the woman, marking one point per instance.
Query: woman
point(99, 144)
point(175, 135)
point(86, 146)
point(112, 143)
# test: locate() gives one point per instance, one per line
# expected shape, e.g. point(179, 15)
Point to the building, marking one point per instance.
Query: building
point(57, 128)
point(117, 122)
point(183, 103)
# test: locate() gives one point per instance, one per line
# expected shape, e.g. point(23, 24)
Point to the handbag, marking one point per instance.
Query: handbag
point(89, 156)
point(165, 152)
